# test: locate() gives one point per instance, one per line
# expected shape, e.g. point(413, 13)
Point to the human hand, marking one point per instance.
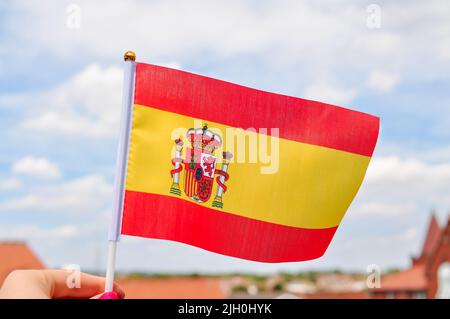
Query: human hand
point(52, 284)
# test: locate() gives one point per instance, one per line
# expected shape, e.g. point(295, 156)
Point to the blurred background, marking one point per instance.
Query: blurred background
point(60, 95)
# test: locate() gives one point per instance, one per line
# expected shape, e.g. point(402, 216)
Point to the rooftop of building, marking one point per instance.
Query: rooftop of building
point(16, 255)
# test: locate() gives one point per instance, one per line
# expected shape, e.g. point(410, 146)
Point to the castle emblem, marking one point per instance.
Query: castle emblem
point(200, 167)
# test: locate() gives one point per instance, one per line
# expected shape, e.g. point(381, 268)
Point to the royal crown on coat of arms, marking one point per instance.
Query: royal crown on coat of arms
point(200, 166)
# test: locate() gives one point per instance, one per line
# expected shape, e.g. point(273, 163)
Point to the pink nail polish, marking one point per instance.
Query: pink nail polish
point(109, 295)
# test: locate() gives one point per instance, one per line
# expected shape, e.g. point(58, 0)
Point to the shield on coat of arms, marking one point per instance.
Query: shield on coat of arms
point(199, 175)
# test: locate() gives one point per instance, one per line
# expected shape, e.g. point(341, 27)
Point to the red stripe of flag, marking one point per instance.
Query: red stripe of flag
point(238, 106)
point(170, 218)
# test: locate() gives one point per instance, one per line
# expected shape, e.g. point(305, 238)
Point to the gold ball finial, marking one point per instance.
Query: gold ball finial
point(129, 56)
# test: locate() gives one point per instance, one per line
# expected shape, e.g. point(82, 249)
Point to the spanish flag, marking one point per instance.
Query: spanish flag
point(239, 171)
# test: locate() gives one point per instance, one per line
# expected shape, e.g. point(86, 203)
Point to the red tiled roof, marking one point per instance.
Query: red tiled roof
point(412, 279)
point(177, 288)
point(433, 234)
point(16, 255)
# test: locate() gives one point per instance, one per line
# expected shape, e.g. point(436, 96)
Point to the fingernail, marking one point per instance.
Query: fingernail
point(109, 295)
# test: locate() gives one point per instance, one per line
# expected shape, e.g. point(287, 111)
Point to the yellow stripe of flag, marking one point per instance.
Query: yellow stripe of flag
point(312, 191)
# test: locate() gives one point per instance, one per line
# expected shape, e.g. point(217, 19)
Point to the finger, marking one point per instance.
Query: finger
point(64, 284)
point(25, 284)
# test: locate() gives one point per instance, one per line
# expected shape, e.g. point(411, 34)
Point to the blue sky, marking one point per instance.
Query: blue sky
point(60, 83)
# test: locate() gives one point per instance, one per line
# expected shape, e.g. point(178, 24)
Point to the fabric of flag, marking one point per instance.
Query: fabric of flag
point(184, 185)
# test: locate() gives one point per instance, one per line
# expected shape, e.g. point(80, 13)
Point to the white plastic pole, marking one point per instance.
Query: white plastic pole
point(121, 166)
point(111, 265)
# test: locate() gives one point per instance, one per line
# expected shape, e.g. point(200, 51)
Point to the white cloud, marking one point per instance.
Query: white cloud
point(36, 167)
point(382, 81)
point(397, 170)
point(88, 104)
point(397, 187)
point(9, 184)
point(408, 235)
point(329, 94)
point(33, 232)
point(316, 36)
point(85, 195)
point(65, 122)
point(381, 210)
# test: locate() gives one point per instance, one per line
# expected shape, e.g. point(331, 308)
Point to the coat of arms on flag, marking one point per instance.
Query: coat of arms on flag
point(200, 166)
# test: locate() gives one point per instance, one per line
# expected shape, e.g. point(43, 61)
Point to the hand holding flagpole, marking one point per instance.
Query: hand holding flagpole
point(121, 166)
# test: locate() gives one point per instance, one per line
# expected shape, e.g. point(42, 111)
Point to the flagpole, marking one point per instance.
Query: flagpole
point(121, 166)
